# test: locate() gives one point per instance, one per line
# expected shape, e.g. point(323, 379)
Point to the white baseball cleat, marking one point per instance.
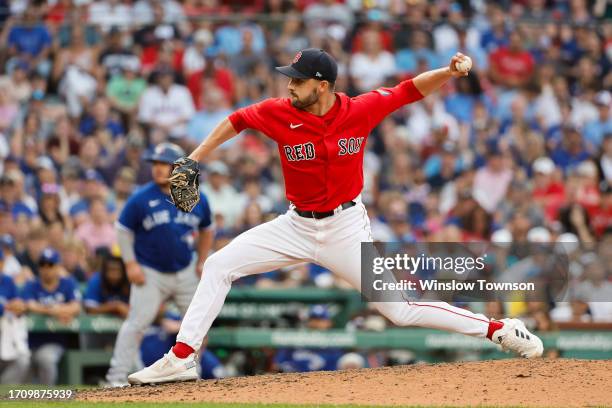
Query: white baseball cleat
point(167, 369)
point(514, 336)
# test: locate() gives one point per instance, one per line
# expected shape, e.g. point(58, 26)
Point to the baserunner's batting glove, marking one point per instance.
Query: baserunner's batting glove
point(185, 184)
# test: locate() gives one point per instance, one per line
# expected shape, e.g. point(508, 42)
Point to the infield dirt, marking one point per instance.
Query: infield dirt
point(541, 382)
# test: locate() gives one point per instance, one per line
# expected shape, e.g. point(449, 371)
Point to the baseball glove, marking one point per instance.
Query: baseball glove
point(185, 184)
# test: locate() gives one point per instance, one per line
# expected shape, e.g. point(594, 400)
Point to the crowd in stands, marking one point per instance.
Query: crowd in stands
point(519, 151)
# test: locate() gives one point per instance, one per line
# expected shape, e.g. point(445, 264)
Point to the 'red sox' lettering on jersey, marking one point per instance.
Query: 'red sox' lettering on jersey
point(350, 146)
point(304, 151)
point(322, 156)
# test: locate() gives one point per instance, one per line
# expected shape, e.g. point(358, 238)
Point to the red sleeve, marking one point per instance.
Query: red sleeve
point(251, 117)
point(376, 105)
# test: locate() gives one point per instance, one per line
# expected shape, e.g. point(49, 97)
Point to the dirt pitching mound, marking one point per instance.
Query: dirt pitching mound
point(542, 382)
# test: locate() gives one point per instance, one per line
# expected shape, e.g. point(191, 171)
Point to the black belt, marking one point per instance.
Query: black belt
point(325, 214)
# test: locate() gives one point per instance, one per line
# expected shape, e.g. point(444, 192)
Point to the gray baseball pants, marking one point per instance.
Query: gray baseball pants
point(14, 371)
point(145, 301)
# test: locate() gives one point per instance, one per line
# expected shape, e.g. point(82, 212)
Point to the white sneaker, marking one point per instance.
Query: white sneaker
point(514, 336)
point(169, 368)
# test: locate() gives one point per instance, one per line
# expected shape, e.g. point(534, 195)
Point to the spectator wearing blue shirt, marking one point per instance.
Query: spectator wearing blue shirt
point(229, 39)
point(100, 118)
point(461, 103)
point(407, 59)
point(572, 150)
point(11, 265)
point(9, 299)
point(12, 196)
point(108, 291)
point(54, 296)
point(203, 122)
point(94, 187)
point(497, 35)
point(30, 41)
point(12, 370)
point(595, 131)
point(443, 167)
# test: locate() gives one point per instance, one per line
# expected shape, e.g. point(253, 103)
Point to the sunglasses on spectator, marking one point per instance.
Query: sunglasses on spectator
point(44, 264)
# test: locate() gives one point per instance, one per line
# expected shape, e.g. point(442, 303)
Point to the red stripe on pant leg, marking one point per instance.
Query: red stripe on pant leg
point(441, 308)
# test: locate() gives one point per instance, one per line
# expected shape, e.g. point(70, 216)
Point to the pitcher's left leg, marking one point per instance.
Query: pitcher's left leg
point(343, 258)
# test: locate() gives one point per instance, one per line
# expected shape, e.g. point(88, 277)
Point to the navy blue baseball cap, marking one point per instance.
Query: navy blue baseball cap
point(165, 153)
point(319, 312)
point(49, 256)
point(311, 63)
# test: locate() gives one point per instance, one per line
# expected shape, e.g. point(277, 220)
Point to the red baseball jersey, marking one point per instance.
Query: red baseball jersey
point(322, 156)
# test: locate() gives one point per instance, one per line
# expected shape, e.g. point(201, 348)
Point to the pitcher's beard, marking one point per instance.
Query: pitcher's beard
point(309, 100)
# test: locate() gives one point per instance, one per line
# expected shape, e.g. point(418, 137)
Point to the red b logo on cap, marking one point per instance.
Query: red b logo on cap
point(297, 57)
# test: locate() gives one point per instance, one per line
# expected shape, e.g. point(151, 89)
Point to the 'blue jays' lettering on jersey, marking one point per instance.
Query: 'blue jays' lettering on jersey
point(163, 235)
point(65, 292)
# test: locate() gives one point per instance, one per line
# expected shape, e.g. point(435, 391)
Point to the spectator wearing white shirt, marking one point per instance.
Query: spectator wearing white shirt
point(596, 290)
point(143, 11)
point(428, 116)
point(491, 181)
point(16, 84)
point(322, 13)
point(69, 193)
point(445, 35)
point(109, 13)
point(166, 106)
point(193, 59)
point(371, 67)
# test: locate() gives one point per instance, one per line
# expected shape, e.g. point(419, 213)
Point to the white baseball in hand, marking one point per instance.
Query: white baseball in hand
point(464, 65)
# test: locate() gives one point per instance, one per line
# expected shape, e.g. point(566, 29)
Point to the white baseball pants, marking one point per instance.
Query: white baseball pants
point(335, 244)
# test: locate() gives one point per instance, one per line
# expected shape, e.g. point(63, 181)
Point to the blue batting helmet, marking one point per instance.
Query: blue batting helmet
point(165, 153)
